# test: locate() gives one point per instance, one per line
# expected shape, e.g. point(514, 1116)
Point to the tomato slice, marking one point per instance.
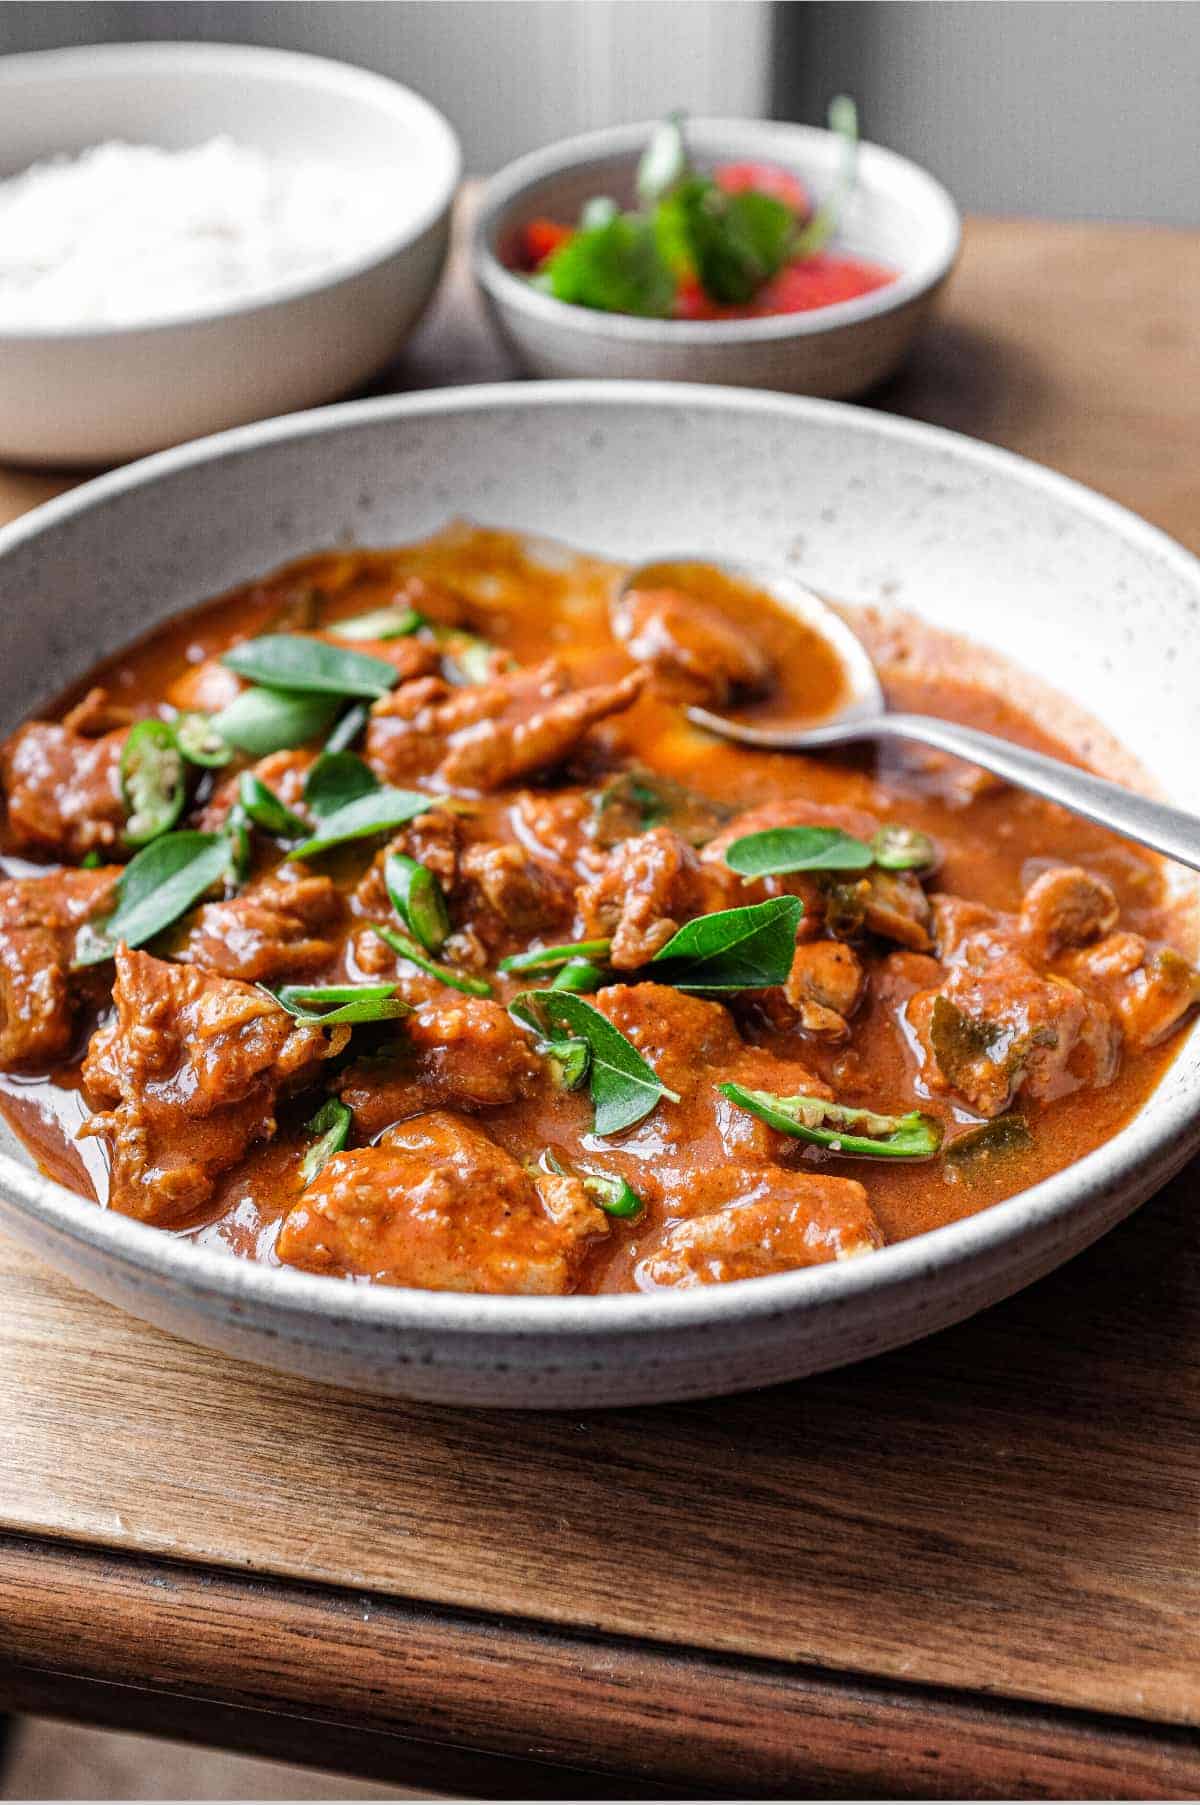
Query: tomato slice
point(766, 178)
point(540, 238)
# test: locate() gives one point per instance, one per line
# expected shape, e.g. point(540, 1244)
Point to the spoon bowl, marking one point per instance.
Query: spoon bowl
point(860, 712)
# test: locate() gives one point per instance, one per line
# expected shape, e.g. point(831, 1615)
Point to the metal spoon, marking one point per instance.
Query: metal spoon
point(865, 716)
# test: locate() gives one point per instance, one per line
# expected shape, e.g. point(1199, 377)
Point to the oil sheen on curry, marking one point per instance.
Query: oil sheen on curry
point(388, 919)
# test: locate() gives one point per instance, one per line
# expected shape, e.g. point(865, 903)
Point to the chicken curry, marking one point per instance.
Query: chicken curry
point(389, 919)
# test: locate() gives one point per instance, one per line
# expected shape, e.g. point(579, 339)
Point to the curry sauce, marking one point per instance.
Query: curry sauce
point(1016, 990)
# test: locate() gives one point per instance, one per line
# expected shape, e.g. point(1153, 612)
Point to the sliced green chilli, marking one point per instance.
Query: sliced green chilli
point(153, 782)
point(418, 899)
point(546, 958)
point(860, 1132)
point(332, 1004)
point(396, 621)
point(416, 955)
point(331, 1125)
point(267, 811)
point(199, 741)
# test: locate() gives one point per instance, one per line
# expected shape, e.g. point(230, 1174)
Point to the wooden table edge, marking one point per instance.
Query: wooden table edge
point(421, 1695)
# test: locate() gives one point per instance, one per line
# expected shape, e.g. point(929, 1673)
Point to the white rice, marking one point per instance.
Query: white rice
point(128, 233)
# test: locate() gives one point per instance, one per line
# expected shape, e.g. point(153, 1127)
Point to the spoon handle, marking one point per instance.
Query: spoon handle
point(1155, 824)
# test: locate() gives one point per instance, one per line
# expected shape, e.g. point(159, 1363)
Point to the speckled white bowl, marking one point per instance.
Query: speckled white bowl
point(898, 215)
point(866, 507)
point(97, 395)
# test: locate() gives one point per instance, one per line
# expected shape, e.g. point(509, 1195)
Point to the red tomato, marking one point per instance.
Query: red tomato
point(766, 178)
point(819, 281)
point(540, 238)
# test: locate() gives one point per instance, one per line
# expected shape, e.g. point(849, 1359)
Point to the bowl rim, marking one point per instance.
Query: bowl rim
point(79, 62)
point(507, 289)
point(296, 1300)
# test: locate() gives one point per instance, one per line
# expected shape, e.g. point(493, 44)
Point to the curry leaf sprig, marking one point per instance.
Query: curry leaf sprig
point(624, 1087)
point(748, 948)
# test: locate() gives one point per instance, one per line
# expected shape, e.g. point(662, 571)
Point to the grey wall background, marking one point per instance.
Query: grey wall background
point(1069, 108)
point(1086, 109)
point(509, 74)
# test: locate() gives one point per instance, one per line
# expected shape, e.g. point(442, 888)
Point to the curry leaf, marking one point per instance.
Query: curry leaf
point(332, 1123)
point(310, 666)
point(376, 812)
point(624, 1088)
point(616, 267)
point(853, 1131)
point(165, 878)
point(260, 721)
point(732, 242)
point(336, 779)
point(1003, 1135)
point(782, 849)
point(333, 1004)
point(734, 949)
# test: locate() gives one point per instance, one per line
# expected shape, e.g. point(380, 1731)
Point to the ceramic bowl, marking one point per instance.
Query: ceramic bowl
point(860, 506)
point(109, 393)
point(898, 216)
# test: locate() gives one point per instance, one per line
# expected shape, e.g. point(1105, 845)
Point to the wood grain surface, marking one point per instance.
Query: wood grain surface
point(970, 1567)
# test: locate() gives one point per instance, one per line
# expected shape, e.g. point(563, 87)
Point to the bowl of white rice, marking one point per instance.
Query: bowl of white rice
point(195, 236)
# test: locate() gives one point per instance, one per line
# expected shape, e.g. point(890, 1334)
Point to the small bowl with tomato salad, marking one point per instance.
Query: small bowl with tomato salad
point(715, 250)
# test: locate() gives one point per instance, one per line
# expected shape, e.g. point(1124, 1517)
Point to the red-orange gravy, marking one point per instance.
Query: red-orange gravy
point(533, 603)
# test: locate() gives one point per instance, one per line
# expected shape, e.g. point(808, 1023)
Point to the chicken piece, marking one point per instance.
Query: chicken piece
point(410, 658)
point(652, 885)
point(693, 1045)
point(64, 790)
point(283, 926)
point(39, 919)
point(526, 897)
point(825, 987)
point(956, 921)
point(557, 828)
point(456, 1051)
point(186, 1075)
point(204, 688)
point(493, 888)
point(696, 652)
point(1150, 989)
point(997, 1027)
point(1066, 907)
point(897, 908)
point(779, 1221)
point(96, 713)
point(489, 734)
point(437, 1204)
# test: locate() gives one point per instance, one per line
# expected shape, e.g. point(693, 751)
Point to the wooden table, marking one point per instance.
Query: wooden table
point(971, 1567)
